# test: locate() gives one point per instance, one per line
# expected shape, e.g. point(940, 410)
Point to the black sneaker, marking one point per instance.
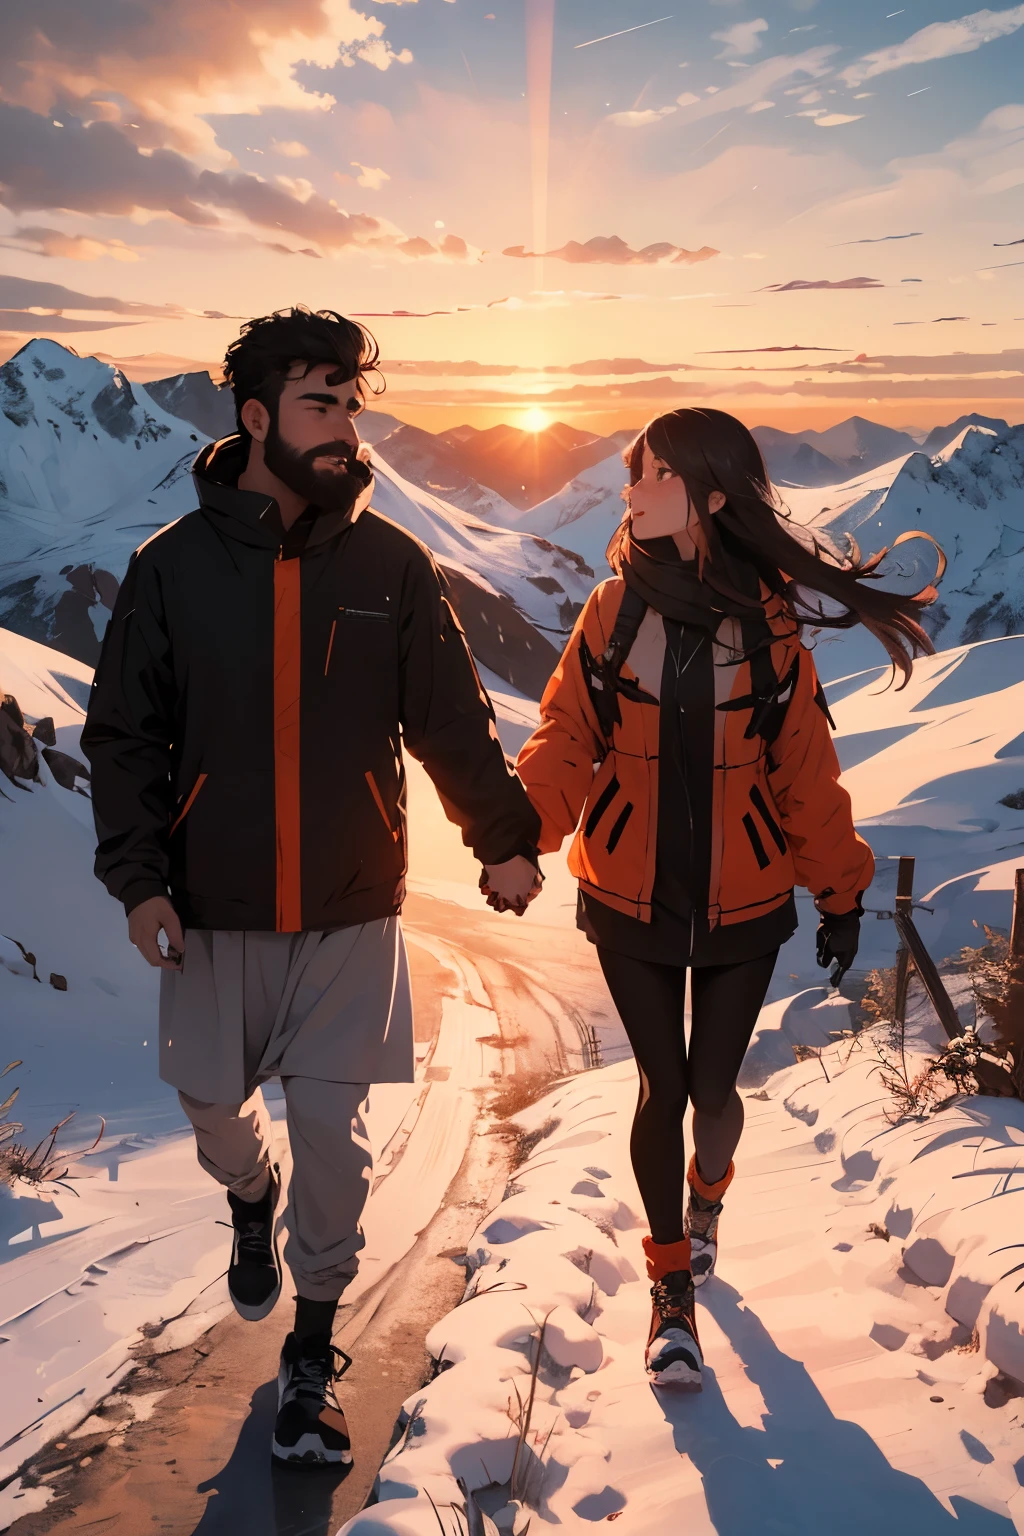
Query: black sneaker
point(254, 1274)
point(673, 1356)
point(311, 1429)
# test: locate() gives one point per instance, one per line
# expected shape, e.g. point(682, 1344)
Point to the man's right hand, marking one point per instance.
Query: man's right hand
point(144, 925)
point(510, 887)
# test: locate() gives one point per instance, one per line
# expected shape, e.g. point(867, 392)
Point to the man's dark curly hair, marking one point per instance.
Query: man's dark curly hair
point(257, 364)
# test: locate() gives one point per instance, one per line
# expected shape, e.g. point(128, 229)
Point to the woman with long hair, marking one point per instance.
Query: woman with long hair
point(684, 738)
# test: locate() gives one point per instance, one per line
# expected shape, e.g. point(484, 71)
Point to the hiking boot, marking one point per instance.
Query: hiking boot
point(254, 1274)
point(673, 1357)
point(703, 1208)
point(310, 1430)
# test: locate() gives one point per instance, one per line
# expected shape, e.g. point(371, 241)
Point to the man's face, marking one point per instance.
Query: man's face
point(312, 443)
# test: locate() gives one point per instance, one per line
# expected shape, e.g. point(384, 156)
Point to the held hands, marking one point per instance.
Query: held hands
point(144, 925)
point(510, 887)
point(838, 940)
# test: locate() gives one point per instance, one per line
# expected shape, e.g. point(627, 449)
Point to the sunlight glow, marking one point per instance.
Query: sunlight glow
point(535, 419)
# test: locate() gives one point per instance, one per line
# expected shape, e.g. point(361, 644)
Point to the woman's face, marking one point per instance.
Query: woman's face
point(659, 502)
point(660, 506)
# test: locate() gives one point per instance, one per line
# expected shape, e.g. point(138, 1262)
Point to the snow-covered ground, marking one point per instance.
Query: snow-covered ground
point(864, 1352)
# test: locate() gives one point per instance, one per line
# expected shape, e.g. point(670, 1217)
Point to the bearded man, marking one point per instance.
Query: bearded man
point(269, 657)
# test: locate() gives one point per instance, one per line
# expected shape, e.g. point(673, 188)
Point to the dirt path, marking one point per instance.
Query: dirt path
point(182, 1446)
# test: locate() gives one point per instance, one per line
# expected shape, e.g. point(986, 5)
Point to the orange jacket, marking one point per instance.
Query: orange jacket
point(779, 815)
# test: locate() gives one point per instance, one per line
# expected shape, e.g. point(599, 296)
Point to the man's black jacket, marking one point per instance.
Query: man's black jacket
point(250, 705)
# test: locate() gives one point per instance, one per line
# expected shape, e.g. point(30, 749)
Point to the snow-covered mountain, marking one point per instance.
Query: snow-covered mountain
point(584, 513)
point(970, 498)
point(824, 458)
point(432, 463)
point(91, 466)
point(195, 398)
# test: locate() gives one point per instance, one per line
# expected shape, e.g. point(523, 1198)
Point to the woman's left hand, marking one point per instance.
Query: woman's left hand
point(838, 940)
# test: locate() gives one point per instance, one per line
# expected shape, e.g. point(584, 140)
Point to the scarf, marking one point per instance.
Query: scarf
point(673, 588)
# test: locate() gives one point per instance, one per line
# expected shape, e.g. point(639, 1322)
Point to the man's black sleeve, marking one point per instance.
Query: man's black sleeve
point(448, 725)
point(127, 739)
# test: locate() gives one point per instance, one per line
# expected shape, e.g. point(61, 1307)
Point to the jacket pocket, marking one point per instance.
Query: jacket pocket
point(619, 826)
point(775, 832)
point(361, 615)
point(196, 787)
point(600, 806)
point(755, 841)
point(376, 614)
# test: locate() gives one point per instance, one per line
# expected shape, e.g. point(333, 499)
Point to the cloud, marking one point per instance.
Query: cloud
point(799, 284)
point(965, 364)
point(741, 39)
point(55, 242)
point(36, 325)
point(552, 298)
point(370, 176)
point(169, 68)
point(836, 119)
point(731, 351)
point(941, 320)
point(940, 40)
point(613, 251)
point(605, 367)
point(290, 148)
point(752, 85)
point(95, 169)
point(880, 240)
point(760, 106)
point(639, 119)
point(30, 293)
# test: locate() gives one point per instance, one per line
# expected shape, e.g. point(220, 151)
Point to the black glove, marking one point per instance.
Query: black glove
point(838, 940)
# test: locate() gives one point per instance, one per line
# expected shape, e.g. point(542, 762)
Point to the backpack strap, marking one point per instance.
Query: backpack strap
point(770, 695)
point(602, 674)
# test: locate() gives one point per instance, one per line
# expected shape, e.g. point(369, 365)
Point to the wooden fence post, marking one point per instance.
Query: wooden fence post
point(1017, 926)
point(904, 904)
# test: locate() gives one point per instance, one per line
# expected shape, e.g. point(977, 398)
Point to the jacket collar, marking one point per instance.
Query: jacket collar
point(249, 516)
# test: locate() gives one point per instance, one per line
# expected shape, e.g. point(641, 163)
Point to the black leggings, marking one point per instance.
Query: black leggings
point(726, 1001)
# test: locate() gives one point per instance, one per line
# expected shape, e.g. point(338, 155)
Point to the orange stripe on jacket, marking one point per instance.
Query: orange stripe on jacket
point(196, 787)
point(375, 792)
point(287, 675)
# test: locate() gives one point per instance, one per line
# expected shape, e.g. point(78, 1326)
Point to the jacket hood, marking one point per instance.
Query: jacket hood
point(250, 516)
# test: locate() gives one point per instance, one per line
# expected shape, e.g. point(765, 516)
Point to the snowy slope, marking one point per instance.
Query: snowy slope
point(863, 1347)
point(90, 468)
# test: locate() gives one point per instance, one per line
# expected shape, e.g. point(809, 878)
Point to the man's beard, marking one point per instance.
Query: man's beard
point(333, 489)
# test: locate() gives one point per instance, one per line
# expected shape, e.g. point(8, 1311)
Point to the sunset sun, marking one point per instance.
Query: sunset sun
point(535, 419)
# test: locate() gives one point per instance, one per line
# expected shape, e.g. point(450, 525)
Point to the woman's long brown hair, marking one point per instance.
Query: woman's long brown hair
point(712, 451)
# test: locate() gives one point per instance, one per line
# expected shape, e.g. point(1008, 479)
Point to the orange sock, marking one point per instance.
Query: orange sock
point(712, 1192)
point(664, 1258)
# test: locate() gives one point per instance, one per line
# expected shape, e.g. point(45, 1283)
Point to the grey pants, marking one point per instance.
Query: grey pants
point(331, 1171)
point(327, 1013)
